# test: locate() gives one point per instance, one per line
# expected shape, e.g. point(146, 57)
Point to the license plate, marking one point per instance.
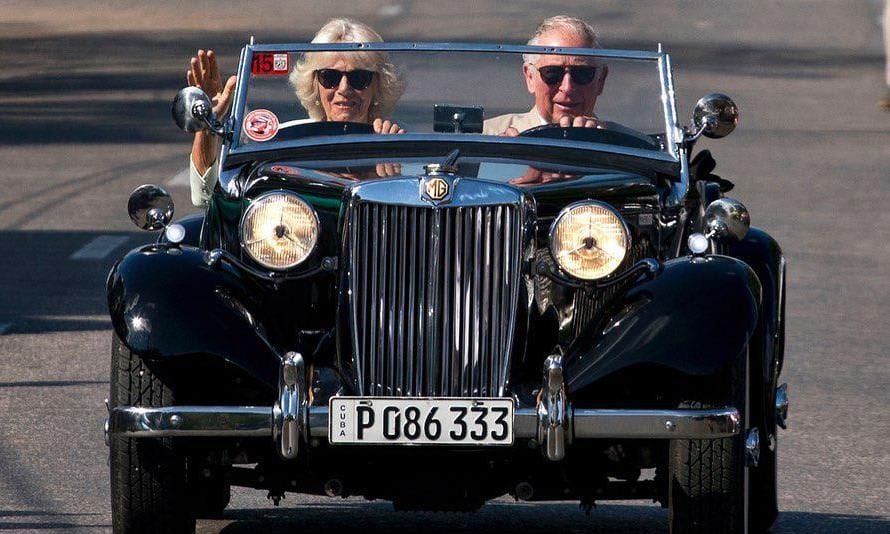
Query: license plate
point(427, 421)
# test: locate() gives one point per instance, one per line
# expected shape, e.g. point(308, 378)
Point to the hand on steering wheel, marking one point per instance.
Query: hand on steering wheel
point(579, 121)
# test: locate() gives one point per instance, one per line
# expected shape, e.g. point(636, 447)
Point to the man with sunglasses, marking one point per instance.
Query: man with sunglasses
point(565, 87)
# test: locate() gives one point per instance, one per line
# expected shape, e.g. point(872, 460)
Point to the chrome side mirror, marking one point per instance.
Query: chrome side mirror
point(715, 116)
point(193, 111)
point(150, 207)
point(727, 219)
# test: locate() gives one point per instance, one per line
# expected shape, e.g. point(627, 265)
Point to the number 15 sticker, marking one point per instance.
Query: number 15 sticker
point(269, 64)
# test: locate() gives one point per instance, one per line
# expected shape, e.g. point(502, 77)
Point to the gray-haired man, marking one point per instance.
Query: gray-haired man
point(565, 87)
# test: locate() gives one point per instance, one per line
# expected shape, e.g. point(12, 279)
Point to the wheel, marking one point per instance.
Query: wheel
point(762, 487)
point(763, 479)
point(148, 477)
point(707, 486)
point(763, 482)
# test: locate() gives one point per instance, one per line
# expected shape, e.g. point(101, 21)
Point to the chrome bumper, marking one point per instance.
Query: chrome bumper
point(552, 424)
point(249, 421)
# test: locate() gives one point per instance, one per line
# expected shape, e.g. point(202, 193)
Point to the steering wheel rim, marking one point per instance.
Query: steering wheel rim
point(613, 133)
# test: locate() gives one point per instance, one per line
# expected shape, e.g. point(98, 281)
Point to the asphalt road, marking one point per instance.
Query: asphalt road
point(84, 118)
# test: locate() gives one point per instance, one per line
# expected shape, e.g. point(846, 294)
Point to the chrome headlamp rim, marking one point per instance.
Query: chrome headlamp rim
point(256, 202)
point(588, 202)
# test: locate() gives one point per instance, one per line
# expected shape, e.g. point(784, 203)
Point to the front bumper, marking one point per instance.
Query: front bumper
point(553, 422)
point(250, 421)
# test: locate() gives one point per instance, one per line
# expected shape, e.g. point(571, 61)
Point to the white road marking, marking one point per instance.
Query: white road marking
point(67, 318)
point(180, 178)
point(99, 247)
point(4, 327)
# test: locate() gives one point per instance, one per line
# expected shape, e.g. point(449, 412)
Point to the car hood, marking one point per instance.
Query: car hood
point(537, 179)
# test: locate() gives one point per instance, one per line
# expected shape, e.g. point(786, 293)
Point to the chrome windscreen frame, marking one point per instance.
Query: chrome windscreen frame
point(672, 154)
point(663, 65)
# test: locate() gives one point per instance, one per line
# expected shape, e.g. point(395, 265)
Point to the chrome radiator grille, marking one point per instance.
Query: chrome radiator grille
point(433, 296)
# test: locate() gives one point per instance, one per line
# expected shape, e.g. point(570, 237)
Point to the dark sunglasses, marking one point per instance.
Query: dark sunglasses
point(579, 74)
point(357, 79)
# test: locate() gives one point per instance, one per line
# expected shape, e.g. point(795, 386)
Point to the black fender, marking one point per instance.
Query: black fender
point(167, 303)
point(682, 329)
point(764, 255)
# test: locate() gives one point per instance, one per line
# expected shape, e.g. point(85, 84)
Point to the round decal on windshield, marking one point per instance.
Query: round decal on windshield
point(260, 125)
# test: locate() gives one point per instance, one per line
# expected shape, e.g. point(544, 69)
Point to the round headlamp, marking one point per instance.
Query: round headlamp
point(279, 230)
point(589, 240)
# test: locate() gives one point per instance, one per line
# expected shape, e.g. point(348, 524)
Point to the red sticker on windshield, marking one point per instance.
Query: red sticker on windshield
point(269, 64)
point(260, 125)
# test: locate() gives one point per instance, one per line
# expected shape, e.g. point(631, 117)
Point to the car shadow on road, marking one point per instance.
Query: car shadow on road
point(504, 517)
point(816, 523)
point(500, 517)
point(18, 520)
point(47, 287)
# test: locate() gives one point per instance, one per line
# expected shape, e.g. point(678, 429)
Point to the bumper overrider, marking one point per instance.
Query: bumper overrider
point(554, 423)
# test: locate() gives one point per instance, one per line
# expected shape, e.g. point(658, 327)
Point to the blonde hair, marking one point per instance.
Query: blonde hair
point(562, 22)
point(341, 30)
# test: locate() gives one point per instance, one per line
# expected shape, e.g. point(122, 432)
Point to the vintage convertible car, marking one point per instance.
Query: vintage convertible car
point(442, 317)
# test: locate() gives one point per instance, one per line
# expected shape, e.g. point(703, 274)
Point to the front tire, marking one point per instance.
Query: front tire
point(707, 485)
point(148, 477)
point(707, 491)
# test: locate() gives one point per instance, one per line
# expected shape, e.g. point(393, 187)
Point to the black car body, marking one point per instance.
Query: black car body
point(430, 348)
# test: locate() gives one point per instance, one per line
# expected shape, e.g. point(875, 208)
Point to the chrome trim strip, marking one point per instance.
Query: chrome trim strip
point(457, 47)
point(673, 132)
point(190, 421)
point(240, 103)
point(456, 140)
point(467, 192)
point(669, 99)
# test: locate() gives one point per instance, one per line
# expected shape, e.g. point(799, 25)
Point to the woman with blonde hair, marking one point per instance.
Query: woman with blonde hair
point(323, 79)
point(332, 86)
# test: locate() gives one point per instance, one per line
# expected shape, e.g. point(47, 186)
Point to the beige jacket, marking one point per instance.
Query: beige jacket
point(520, 121)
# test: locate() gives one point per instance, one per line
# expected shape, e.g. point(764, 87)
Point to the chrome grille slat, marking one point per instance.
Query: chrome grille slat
point(475, 363)
point(421, 327)
point(433, 296)
point(400, 351)
point(412, 309)
point(496, 268)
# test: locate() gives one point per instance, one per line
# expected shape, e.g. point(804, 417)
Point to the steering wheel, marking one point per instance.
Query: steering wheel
point(612, 133)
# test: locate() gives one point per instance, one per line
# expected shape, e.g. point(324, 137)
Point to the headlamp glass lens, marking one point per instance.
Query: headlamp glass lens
point(279, 230)
point(589, 241)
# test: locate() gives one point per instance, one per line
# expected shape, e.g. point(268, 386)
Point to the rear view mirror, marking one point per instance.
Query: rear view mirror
point(193, 110)
point(715, 116)
point(150, 207)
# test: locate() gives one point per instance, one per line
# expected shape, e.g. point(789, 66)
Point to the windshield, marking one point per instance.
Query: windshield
point(298, 92)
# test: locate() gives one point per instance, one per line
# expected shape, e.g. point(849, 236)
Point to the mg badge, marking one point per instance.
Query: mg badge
point(435, 189)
